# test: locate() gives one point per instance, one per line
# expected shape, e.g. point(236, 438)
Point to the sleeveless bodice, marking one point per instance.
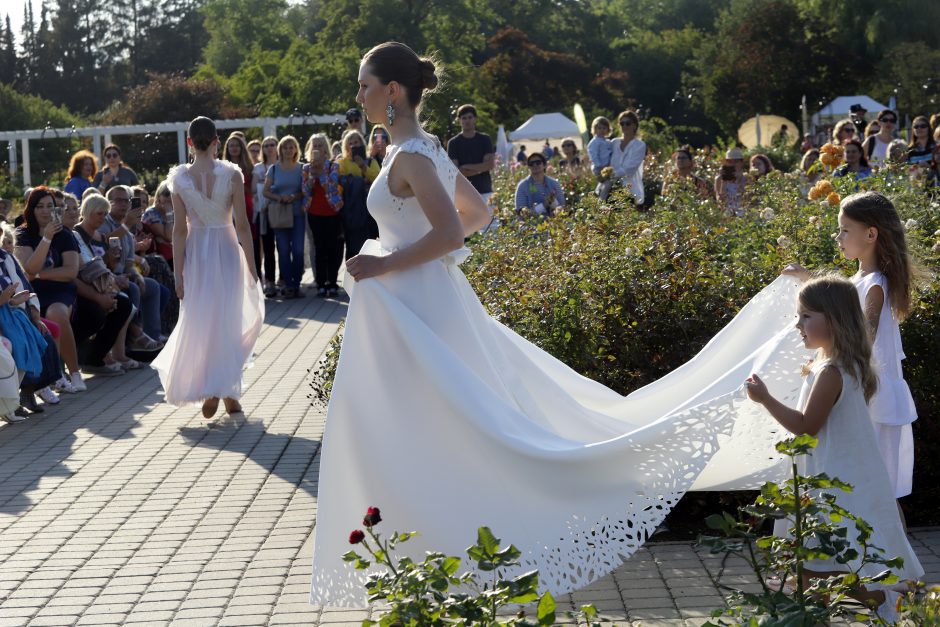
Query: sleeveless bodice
point(401, 220)
point(202, 210)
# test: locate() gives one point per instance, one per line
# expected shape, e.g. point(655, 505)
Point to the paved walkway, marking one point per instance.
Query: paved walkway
point(117, 509)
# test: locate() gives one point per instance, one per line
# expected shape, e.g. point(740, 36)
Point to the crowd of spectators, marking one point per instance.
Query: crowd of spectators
point(86, 280)
point(618, 161)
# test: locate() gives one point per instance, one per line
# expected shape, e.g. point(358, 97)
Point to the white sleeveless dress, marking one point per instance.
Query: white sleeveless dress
point(848, 449)
point(448, 421)
point(892, 407)
point(222, 308)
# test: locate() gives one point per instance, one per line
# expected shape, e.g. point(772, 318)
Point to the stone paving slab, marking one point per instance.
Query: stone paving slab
point(116, 509)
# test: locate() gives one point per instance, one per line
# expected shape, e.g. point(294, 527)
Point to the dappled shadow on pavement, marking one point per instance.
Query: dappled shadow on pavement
point(281, 454)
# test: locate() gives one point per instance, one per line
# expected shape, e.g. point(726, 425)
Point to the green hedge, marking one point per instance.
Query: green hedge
point(624, 297)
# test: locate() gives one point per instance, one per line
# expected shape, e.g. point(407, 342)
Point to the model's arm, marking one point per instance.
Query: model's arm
point(180, 233)
point(473, 212)
point(447, 231)
point(822, 397)
point(874, 301)
point(241, 223)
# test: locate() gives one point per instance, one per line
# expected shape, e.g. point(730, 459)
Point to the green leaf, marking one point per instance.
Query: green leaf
point(487, 541)
point(450, 565)
point(546, 610)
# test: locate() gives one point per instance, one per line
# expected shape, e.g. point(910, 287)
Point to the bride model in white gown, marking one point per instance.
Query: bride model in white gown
point(447, 420)
point(222, 306)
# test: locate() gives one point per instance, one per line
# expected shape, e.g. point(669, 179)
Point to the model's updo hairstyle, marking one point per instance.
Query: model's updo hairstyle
point(202, 132)
point(393, 61)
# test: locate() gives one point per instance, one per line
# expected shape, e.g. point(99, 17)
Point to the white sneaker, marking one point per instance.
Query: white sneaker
point(77, 384)
point(48, 396)
point(12, 418)
point(63, 385)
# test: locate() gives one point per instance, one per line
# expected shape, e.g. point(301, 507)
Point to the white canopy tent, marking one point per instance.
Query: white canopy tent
point(838, 109)
point(543, 126)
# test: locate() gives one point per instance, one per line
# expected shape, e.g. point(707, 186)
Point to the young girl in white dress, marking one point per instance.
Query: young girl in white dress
point(833, 408)
point(221, 303)
point(870, 231)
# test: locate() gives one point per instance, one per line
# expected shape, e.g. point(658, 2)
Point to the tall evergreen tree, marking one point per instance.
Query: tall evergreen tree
point(8, 58)
point(27, 69)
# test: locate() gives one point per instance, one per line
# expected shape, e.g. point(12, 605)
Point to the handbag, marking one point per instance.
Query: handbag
point(280, 215)
point(96, 274)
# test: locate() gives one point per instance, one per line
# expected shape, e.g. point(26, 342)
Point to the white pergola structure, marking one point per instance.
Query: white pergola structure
point(102, 135)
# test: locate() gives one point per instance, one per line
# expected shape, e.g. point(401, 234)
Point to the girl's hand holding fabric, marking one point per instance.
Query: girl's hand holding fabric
point(366, 266)
point(795, 270)
point(756, 389)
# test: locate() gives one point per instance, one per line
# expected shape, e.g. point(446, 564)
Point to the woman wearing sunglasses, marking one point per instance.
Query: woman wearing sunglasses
point(537, 192)
point(628, 156)
point(876, 146)
point(920, 148)
point(115, 172)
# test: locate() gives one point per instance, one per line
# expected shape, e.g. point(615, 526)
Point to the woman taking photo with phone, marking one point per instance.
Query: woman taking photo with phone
point(356, 174)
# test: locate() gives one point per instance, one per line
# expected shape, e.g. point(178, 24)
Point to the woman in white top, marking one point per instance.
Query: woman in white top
point(628, 156)
point(876, 146)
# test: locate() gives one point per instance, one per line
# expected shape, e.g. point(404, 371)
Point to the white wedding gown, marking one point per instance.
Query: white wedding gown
point(447, 421)
point(222, 309)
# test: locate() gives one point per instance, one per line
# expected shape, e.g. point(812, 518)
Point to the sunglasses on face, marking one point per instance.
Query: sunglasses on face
point(921, 126)
point(532, 164)
point(889, 120)
point(354, 120)
point(254, 149)
point(111, 155)
point(626, 123)
point(848, 129)
point(270, 146)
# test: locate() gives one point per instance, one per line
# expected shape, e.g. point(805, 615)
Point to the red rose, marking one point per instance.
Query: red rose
point(357, 536)
point(372, 517)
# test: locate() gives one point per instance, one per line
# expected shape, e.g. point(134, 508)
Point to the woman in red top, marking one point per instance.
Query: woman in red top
point(324, 200)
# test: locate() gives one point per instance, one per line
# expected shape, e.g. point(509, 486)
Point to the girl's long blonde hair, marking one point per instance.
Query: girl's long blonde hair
point(874, 210)
point(835, 298)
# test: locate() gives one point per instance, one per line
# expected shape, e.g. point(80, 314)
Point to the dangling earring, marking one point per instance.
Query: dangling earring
point(390, 113)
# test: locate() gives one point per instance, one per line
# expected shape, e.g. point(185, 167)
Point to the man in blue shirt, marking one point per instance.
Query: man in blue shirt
point(537, 192)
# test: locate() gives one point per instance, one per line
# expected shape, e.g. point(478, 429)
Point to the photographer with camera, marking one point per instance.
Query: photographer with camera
point(356, 173)
point(731, 182)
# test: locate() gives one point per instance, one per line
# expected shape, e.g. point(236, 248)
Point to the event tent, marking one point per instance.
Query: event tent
point(762, 129)
point(838, 109)
point(544, 126)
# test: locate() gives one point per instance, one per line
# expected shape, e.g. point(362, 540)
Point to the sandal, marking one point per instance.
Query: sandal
point(210, 406)
point(270, 291)
point(144, 343)
point(129, 364)
point(232, 406)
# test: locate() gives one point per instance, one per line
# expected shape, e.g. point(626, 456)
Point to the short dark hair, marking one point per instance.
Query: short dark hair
point(202, 132)
point(393, 61)
point(467, 108)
